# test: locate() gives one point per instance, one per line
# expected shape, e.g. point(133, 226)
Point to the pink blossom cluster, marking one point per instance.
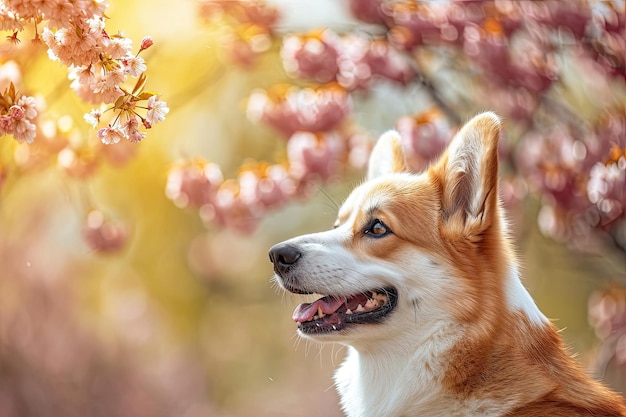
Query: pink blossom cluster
point(289, 109)
point(102, 81)
point(99, 64)
point(246, 27)
point(353, 61)
point(241, 203)
point(512, 42)
point(424, 137)
point(18, 116)
point(512, 56)
point(59, 13)
point(9, 20)
point(581, 178)
point(312, 157)
point(318, 149)
point(128, 121)
point(606, 189)
point(200, 184)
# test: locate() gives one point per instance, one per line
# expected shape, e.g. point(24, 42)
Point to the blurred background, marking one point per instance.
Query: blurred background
point(134, 277)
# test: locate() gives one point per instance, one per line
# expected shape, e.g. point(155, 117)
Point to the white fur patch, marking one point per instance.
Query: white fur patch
point(519, 299)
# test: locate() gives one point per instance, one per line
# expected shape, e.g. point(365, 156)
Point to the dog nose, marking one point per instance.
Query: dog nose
point(283, 255)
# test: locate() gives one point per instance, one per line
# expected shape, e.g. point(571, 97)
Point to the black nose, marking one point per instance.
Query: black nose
point(283, 255)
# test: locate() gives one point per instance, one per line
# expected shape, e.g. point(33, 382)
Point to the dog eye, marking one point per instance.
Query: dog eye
point(377, 229)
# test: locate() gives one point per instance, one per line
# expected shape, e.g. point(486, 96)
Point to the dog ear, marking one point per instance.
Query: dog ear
point(387, 156)
point(469, 173)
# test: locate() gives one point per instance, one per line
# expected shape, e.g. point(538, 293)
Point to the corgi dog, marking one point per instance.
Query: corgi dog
point(419, 280)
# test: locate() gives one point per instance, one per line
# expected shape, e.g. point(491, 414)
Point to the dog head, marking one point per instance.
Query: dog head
point(408, 251)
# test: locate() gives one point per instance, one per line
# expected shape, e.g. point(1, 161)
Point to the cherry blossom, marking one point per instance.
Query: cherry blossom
point(606, 189)
point(157, 110)
point(18, 119)
point(133, 65)
point(99, 64)
point(110, 134)
point(131, 130)
point(424, 136)
point(313, 56)
point(146, 43)
point(193, 183)
point(93, 117)
point(316, 156)
point(291, 110)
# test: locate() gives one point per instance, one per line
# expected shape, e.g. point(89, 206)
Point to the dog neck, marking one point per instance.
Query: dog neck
point(411, 370)
point(381, 379)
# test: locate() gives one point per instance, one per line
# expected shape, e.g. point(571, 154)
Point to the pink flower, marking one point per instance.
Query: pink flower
point(315, 155)
point(424, 137)
point(607, 190)
point(193, 183)
point(157, 110)
point(72, 48)
point(86, 75)
point(132, 130)
point(117, 47)
point(25, 9)
point(29, 105)
point(25, 131)
point(59, 13)
point(315, 110)
point(17, 112)
point(412, 23)
point(9, 21)
point(388, 62)
point(265, 186)
point(108, 86)
point(311, 56)
point(146, 43)
point(110, 134)
point(229, 210)
point(133, 65)
point(7, 124)
point(93, 117)
point(94, 7)
point(360, 59)
point(369, 11)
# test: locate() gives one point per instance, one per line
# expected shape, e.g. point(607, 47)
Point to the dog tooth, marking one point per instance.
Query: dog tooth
point(381, 297)
point(370, 304)
point(348, 311)
point(360, 309)
point(320, 313)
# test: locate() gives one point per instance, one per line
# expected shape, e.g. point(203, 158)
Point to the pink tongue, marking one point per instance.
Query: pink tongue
point(306, 311)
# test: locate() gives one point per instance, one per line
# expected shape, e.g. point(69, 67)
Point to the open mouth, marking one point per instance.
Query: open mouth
point(334, 313)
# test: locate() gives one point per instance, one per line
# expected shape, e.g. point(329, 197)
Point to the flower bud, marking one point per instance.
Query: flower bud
point(146, 43)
